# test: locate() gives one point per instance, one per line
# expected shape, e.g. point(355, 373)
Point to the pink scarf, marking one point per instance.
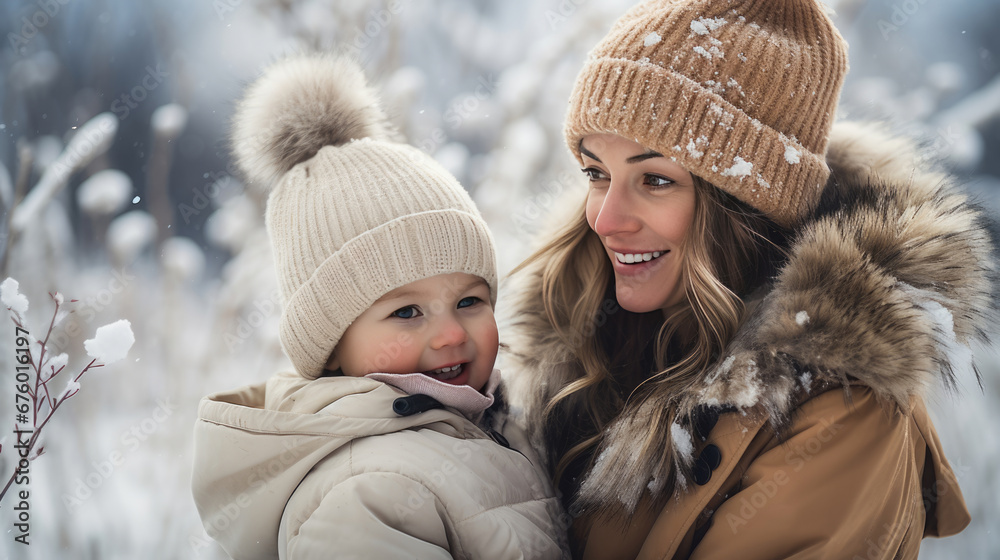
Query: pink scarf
point(465, 399)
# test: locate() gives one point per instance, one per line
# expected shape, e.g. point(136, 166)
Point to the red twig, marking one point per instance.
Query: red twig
point(53, 404)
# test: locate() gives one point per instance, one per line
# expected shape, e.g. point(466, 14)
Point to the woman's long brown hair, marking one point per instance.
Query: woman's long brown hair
point(730, 250)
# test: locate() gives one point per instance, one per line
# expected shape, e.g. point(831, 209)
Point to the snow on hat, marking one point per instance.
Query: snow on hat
point(741, 93)
point(351, 214)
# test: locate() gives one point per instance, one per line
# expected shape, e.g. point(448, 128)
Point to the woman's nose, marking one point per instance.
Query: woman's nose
point(448, 332)
point(616, 214)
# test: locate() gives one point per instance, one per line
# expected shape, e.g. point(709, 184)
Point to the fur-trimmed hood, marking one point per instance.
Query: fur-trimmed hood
point(888, 283)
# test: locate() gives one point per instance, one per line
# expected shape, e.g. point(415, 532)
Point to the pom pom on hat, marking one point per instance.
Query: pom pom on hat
point(299, 105)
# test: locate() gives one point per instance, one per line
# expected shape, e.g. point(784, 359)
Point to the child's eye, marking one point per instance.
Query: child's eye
point(468, 302)
point(656, 181)
point(594, 174)
point(408, 312)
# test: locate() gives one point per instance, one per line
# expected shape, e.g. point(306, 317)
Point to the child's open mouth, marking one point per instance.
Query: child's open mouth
point(446, 373)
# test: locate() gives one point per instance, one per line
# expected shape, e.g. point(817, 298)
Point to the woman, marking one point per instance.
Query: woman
point(724, 352)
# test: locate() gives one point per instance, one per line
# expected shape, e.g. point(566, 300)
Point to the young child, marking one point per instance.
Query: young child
point(385, 440)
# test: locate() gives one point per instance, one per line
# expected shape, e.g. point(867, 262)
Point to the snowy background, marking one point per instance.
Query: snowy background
point(143, 218)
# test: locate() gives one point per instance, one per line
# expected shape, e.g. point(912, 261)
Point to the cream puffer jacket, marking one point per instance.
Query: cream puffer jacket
point(297, 469)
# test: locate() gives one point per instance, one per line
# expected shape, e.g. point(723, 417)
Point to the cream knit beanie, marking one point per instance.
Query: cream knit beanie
point(741, 93)
point(351, 214)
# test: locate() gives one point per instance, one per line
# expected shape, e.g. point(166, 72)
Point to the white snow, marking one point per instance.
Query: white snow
point(806, 380)
point(169, 120)
point(105, 192)
point(959, 355)
point(715, 87)
point(652, 39)
point(734, 84)
point(526, 139)
point(111, 342)
point(11, 298)
point(58, 361)
point(801, 317)
point(35, 72)
point(703, 25)
point(740, 168)
point(746, 387)
point(692, 149)
point(232, 224)
point(682, 442)
point(945, 77)
point(454, 157)
point(130, 233)
point(59, 298)
point(182, 259)
point(404, 87)
point(144, 491)
point(723, 370)
point(712, 51)
point(653, 485)
point(71, 388)
point(90, 140)
point(792, 155)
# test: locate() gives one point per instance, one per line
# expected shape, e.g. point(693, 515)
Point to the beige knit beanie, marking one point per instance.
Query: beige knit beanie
point(741, 93)
point(352, 215)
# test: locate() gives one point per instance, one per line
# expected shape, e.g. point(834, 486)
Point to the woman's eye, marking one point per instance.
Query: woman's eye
point(657, 181)
point(468, 302)
point(407, 312)
point(594, 174)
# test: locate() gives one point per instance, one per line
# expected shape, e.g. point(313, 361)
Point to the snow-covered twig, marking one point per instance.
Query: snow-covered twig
point(91, 140)
point(168, 123)
point(974, 111)
point(110, 344)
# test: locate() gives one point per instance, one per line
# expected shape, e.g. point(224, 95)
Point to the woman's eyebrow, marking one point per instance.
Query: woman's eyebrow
point(643, 157)
point(588, 153)
point(633, 159)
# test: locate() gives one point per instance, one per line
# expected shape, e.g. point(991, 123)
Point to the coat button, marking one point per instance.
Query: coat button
point(705, 419)
point(498, 437)
point(701, 473)
point(712, 455)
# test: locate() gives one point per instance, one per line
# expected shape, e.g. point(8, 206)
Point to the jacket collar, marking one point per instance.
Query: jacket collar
point(255, 444)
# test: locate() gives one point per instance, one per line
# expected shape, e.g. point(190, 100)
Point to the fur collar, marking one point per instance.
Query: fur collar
point(889, 281)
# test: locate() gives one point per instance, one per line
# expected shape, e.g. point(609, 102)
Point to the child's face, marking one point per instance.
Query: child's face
point(422, 327)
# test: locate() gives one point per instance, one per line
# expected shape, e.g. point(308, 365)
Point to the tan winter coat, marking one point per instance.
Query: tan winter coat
point(303, 469)
point(809, 438)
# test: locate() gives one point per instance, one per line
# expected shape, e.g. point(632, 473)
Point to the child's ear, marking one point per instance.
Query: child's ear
point(333, 363)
